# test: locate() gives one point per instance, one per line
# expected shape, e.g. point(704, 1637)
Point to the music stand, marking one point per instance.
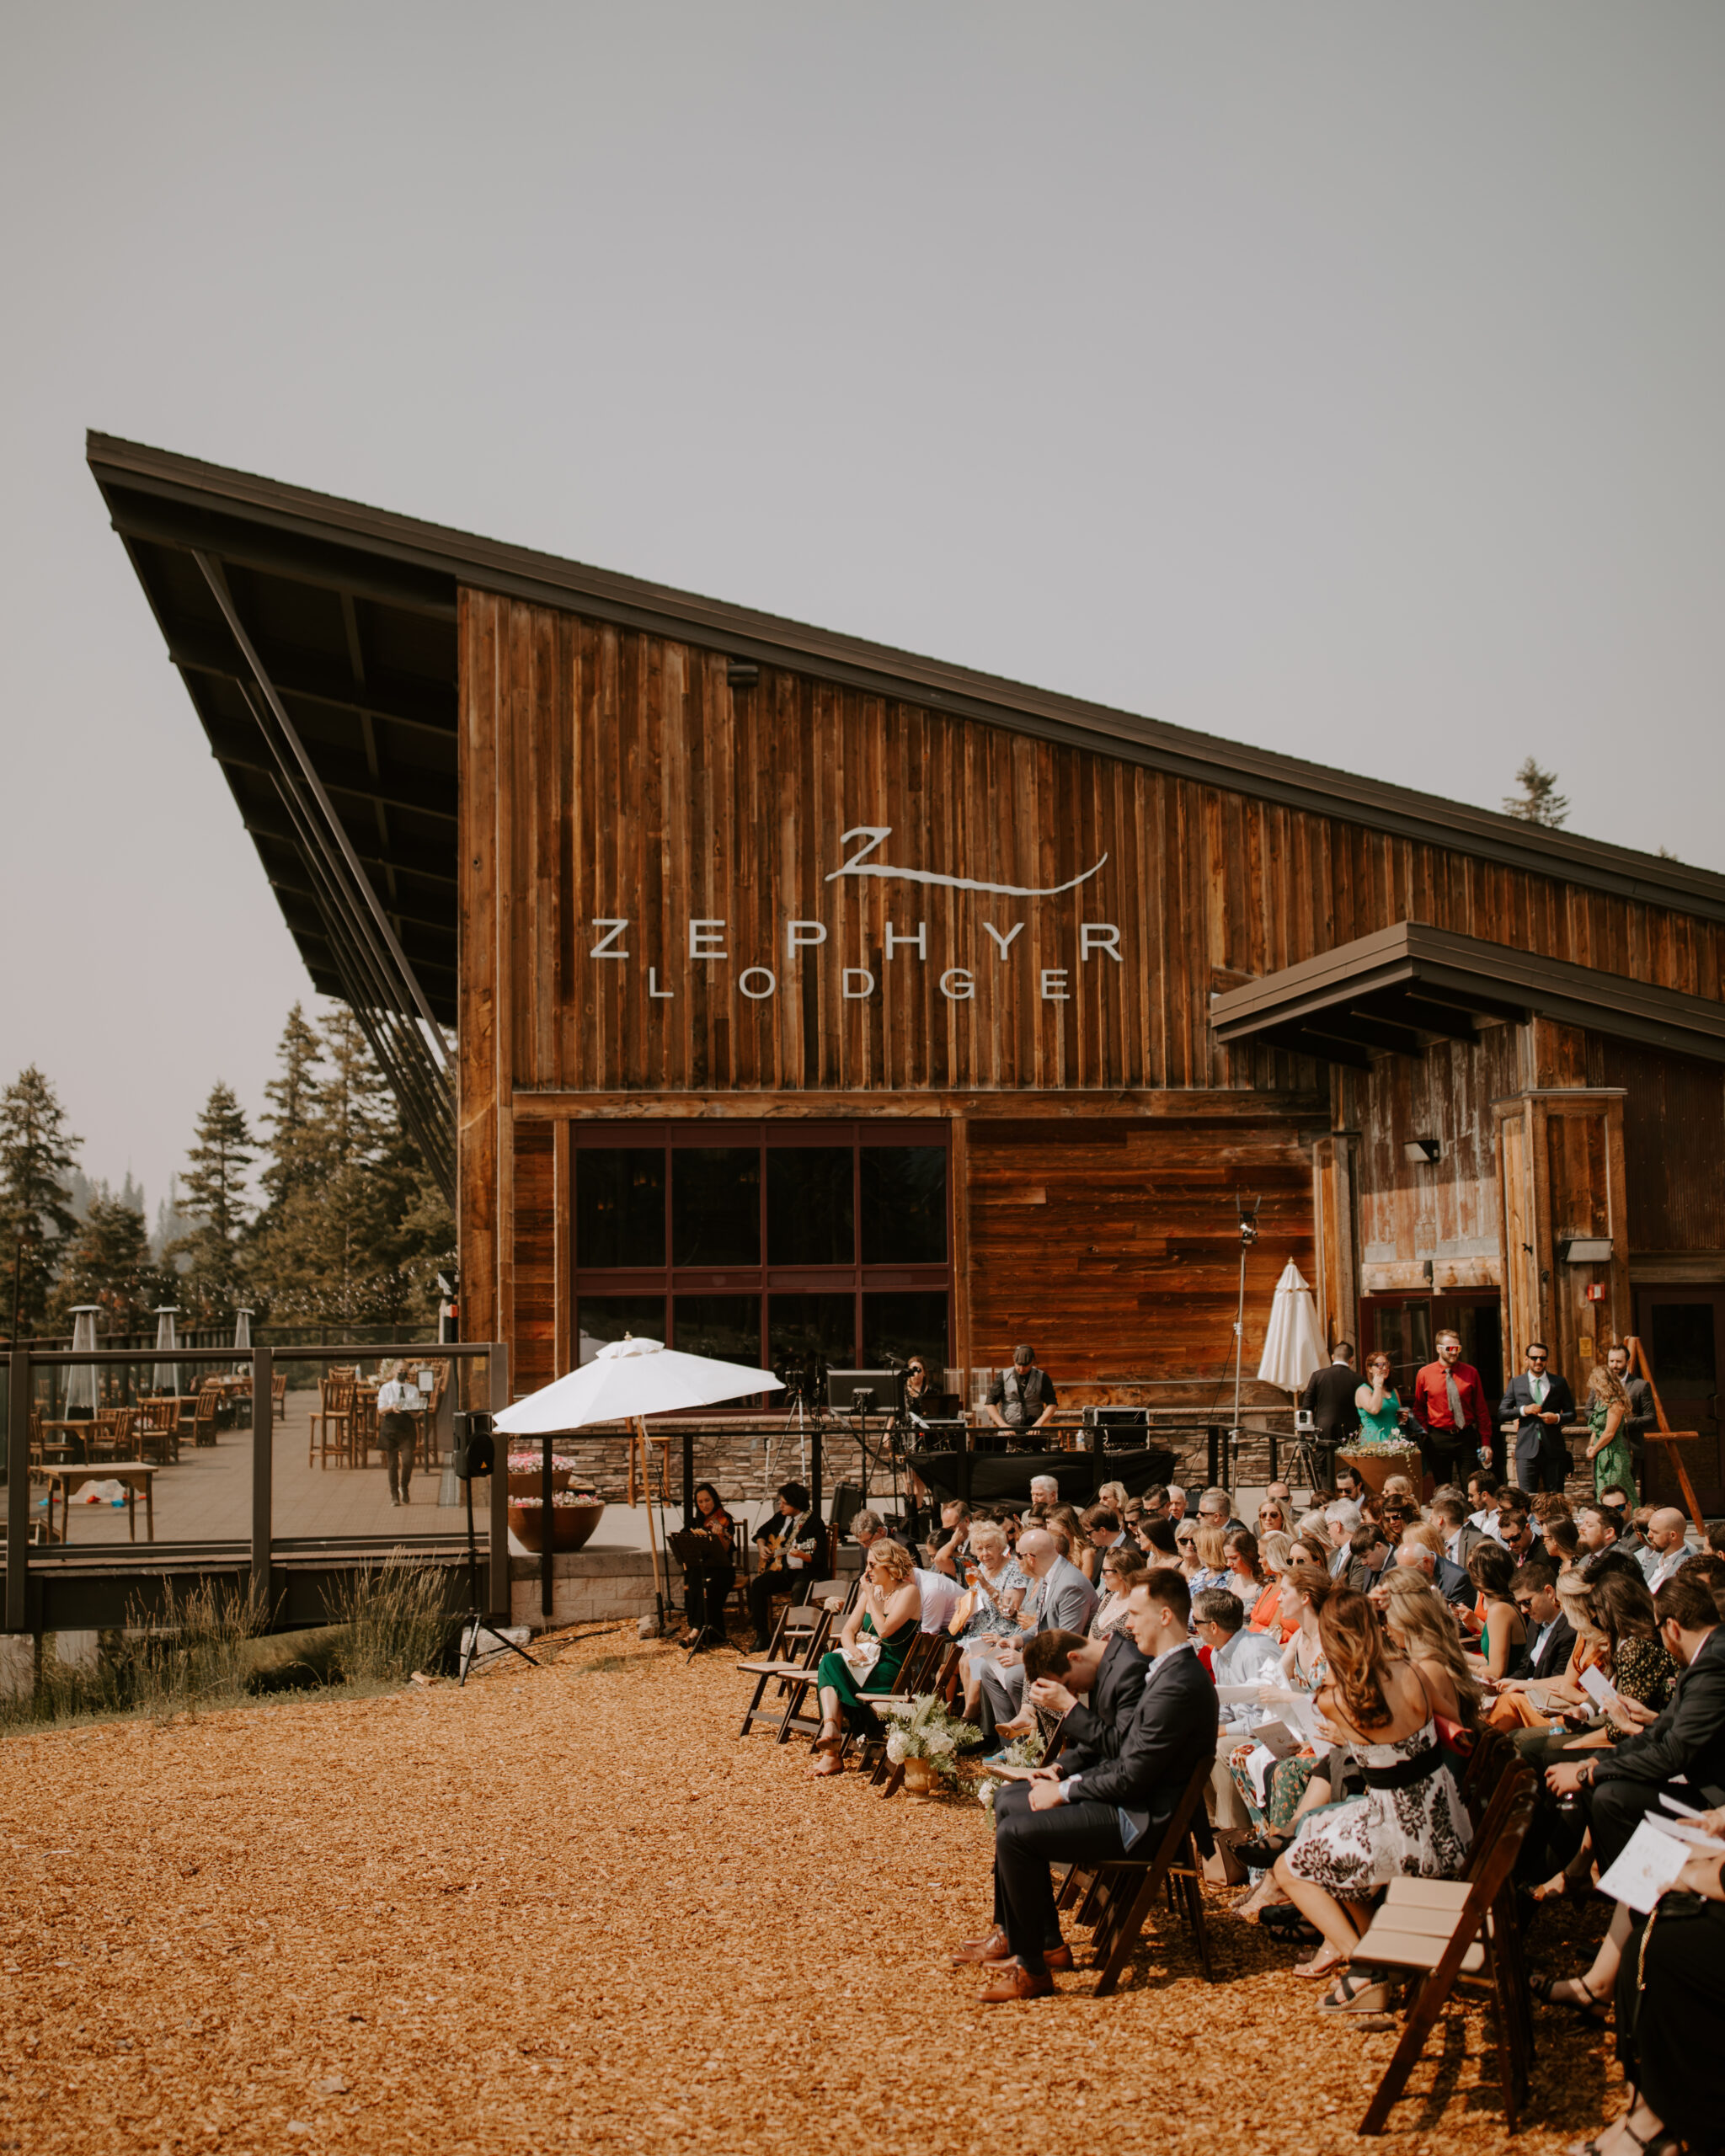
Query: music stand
point(698, 1553)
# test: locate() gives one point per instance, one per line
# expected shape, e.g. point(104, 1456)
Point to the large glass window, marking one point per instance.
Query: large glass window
point(715, 1205)
point(810, 1209)
point(802, 1329)
point(904, 1204)
point(604, 1318)
point(775, 1247)
point(904, 1325)
point(619, 1206)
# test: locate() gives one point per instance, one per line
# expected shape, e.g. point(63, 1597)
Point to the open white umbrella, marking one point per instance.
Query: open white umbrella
point(626, 1380)
point(1294, 1342)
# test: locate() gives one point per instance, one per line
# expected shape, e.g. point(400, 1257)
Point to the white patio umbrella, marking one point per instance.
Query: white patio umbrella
point(82, 1379)
point(167, 1378)
point(626, 1380)
point(1294, 1342)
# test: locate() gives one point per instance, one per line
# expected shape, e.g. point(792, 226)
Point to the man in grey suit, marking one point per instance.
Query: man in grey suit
point(1061, 1599)
point(1640, 1419)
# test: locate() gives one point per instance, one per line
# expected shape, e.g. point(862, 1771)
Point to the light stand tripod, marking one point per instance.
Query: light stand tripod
point(1249, 1236)
point(474, 1452)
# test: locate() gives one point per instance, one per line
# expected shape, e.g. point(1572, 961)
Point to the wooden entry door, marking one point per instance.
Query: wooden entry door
point(1683, 1330)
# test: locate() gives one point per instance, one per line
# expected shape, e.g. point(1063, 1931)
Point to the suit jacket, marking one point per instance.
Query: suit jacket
point(1641, 1417)
point(1553, 1657)
point(1172, 1729)
point(1454, 1584)
point(1517, 1405)
point(1689, 1738)
point(1093, 1731)
point(1329, 1401)
point(1067, 1600)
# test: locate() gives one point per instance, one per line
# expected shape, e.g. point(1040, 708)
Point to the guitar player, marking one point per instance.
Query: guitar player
point(787, 1542)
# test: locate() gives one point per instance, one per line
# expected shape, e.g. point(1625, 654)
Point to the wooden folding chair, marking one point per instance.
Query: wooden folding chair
point(1442, 1933)
point(936, 1678)
point(1121, 1895)
point(798, 1642)
point(920, 1658)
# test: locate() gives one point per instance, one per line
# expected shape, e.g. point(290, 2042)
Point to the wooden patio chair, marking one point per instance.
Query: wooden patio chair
point(204, 1409)
point(159, 1431)
point(278, 1392)
point(330, 1426)
point(798, 1643)
point(1118, 1897)
point(1450, 1934)
point(362, 1427)
point(113, 1435)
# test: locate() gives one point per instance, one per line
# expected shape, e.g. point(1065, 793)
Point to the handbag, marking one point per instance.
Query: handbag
point(963, 1609)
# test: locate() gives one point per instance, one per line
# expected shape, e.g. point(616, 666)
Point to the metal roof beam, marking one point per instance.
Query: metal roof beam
point(339, 773)
point(307, 678)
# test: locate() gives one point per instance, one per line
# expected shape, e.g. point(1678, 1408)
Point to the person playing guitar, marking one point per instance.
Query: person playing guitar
point(788, 1542)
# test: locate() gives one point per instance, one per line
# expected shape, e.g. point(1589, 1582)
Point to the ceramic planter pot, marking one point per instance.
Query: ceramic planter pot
point(1375, 1468)
point(532, 1483)
point(919, 1778)
point(571, 1525)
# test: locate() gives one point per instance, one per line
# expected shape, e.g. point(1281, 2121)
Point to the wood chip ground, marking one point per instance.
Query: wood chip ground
point(566, 1909)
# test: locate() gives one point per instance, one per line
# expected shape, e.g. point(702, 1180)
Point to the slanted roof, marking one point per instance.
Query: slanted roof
point(1407, 986)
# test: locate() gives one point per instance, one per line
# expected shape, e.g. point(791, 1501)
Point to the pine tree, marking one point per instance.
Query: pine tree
point(292, 1094)
point(36, 1155)
point(110, 1263)
point(1539, 801)
point(214, 1196)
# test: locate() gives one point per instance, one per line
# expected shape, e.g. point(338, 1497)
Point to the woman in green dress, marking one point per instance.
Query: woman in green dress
point(1380, 1407)
point(1607, 1446)
point(889, 1608)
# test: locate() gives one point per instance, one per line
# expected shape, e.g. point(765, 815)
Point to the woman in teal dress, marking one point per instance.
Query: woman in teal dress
point(1607, 1447)
point(1380, 1407)
point(889, 1608)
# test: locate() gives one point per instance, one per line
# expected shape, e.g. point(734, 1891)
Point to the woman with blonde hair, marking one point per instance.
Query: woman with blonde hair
point(888, 1609)
point(1418, 1619)
point(1608, 1443)
point(1275, 1551)
point(1211, 1545)
point(1287, 1791)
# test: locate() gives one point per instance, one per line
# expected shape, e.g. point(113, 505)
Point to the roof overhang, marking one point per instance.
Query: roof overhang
point(1407, 987)
point(318, 565)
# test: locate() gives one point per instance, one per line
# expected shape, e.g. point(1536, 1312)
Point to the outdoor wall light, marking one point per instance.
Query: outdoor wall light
point(1422, 1152)
point(1584, 1250)
point(741, 673)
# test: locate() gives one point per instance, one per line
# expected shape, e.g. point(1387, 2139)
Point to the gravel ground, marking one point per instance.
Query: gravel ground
point(567, 1909)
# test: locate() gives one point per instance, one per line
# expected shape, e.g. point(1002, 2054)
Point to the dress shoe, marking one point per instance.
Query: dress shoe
point(1012, 1980)
point(973, 1953)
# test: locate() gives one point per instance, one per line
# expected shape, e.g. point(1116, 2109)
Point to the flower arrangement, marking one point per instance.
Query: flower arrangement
point(1381, 1446)
point(1025, 1751)
point(533, 1463)
point(557, 1497)
point(925, 1728)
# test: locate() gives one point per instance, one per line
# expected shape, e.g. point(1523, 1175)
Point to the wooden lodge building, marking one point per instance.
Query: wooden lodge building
point(811, 996)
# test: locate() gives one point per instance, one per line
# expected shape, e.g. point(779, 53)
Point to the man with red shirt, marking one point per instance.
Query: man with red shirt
point(1450, 1401)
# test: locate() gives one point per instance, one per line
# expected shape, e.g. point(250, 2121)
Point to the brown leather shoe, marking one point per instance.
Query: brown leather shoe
point(974, 1953)
point(1013, 1981)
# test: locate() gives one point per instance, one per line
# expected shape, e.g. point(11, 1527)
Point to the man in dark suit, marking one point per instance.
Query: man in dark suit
point(1551, 1637)
point(1328, 1399)
point(1101, 1813)
point(1109, 1671)
point(1619, 1787)
point(1538, 1402)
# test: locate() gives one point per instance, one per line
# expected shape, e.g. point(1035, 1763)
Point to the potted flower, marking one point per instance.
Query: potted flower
point(924, 1740)
point(1376, 1460)
point(526, 1475)
point(1022, 1752)
point(575, 1514)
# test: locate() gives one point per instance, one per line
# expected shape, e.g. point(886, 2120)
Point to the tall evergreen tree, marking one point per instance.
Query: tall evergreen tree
point(37, 1152)
point(213, 1195)
point(290, 1119)
point(109, 1261)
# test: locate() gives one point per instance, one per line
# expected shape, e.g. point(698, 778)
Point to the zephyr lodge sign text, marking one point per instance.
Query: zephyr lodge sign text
point(710, 942)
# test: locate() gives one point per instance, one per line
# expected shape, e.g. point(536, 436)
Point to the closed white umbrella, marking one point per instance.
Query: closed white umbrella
point(626, 1380)
point(167, 1336)
point(1294, 1342)
point(82, 1379)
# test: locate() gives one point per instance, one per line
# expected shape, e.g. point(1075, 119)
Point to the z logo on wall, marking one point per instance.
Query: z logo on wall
point(859, 864)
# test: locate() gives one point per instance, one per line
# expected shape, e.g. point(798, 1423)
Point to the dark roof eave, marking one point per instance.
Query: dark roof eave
point(545, 579)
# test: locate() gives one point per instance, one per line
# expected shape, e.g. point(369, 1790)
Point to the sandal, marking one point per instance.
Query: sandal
point(1330, 1963)
point(1661, 2143)
point(1356, 1995)
point(1589, 2006)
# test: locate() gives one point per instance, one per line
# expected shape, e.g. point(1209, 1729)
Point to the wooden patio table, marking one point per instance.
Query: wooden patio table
point(131, 1472)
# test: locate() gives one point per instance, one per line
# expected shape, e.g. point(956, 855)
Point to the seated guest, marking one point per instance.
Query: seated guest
point(1157, 1540)
point(1340, 1519)
point(940, 1599)
point(1212, 1553)
point(1449, 1580)
point(788, 1542)
point(1562, 1541)
point(946, 1550)
point(1044, 1495)
point(1215, 1508)
point(1545, 1652)
point(1064, 1519)
point(706, 1594)
point(889, 1608)
point(1503, 1633)
point(1121, 1571)
point(1265, 1616)
point(1102, 1532)
point(1237, 1656)
point(1642, 1669)
point(1245, 1573)
point(1410, 1822)
point(1449, 1512)
point(1110, 1673)
point(1113, 1496)
point(996, 1593)
point(1486, 1497)
point(1155, 1500)
point(1098, 1814)
point(1369, 1556)
point(1186, 1544)
point(1293, 1785)
point(1671, 2014)
point(1060, 1599)
point(1274, 1517)
point(1667, 1545)
point(1516, 1534)
point(1421, 1629)
point(1617, 1787)
point(1176, 1503)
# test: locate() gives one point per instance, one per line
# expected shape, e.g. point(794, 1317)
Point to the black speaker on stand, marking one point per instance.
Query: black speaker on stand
point(474, 1452)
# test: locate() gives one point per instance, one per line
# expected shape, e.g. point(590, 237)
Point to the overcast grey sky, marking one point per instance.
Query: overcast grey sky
point(1343, 379)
